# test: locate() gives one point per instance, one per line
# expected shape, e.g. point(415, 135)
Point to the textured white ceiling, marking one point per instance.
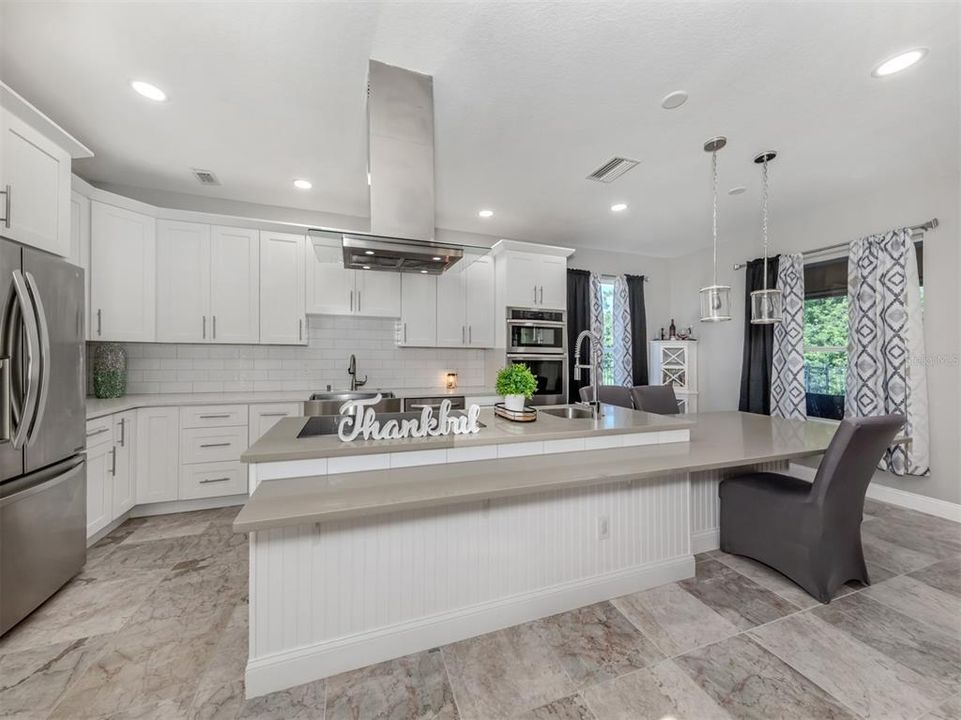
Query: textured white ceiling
point(529, 98)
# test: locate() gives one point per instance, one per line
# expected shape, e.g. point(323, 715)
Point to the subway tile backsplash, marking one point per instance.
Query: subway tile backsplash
point(175, 368)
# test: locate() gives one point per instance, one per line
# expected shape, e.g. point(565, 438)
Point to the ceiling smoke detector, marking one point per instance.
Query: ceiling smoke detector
point(205, 177)
point(612, 169)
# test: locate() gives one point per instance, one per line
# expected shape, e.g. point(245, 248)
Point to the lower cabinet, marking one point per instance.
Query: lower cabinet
point(99, 487)
point(212, 479)
point(264, 417)
point(158, 454)
point(124, 491)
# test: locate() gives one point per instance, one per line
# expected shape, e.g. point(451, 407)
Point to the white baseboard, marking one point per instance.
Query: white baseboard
point(893, 496)
point(103, 532)
point(705, 541)
point(288, 668)
point(178, 506)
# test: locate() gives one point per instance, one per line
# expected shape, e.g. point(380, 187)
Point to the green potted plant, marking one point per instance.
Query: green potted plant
point(516, 383)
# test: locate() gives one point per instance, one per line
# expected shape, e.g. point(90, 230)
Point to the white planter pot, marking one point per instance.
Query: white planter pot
point(514, 402)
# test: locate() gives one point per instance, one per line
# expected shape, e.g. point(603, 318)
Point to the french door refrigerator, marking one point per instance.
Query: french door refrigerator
point(42, 428)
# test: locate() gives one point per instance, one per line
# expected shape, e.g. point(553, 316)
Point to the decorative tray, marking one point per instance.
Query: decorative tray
point(528, 414)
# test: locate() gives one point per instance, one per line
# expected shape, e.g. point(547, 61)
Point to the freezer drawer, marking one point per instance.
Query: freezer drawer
point(43, 541)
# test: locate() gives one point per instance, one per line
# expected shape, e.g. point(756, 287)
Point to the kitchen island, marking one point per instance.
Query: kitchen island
point(371, 550)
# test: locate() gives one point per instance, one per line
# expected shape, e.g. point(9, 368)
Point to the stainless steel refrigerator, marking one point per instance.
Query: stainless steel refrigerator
point(42, 470)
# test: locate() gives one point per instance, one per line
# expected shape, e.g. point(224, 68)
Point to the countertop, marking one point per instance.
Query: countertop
point(97, 407)
point(718, 440)
point(281, 441)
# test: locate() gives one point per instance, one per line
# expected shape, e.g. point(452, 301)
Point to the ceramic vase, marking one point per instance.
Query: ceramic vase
point(110, 370)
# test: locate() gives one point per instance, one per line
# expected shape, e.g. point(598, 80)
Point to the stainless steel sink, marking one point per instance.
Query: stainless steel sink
point(329, 403)
point(568, 412)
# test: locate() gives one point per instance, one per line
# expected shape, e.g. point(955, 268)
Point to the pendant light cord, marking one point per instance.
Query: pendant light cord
point(714, 216)
point(764, 214)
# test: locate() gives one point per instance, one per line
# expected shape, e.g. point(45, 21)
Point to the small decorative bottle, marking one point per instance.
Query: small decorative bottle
point(662, 334)
point(109, 370)
point(672, 331)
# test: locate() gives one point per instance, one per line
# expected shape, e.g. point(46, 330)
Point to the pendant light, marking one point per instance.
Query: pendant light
point(715, 299)
point(766, 303)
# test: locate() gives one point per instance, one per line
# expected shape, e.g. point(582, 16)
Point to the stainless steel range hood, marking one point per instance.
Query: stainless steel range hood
point(367, 252)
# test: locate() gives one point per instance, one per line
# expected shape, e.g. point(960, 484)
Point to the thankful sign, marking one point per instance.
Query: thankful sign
point(359, 420)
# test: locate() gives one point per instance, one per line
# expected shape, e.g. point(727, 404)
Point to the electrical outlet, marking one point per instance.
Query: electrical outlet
point(603, 527)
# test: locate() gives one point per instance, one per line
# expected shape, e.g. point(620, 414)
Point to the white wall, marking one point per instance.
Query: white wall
point(900, 203)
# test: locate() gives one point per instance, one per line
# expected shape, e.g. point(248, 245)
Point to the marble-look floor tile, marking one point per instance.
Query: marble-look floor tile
point(673, 619)
point(920, 601)
point(892, 556)
point(569, 708)
point(220, 691)
point(505, 673)
point(597, 643)
point(661, 691)
point(868, 682)
point(163, 527)
point(949, 710)
point(194, 587)
point(33, 681)
point(752, 684)
point(922, 533)
point(735, 597)
point(82, 609)
point(415, 687)
point(922, 647)
point(304, 702)
point(166, 710)
point(154, 555)
point(944, 575)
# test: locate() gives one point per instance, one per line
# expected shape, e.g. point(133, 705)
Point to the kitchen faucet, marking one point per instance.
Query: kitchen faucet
point(352, 371)
point(595, 342)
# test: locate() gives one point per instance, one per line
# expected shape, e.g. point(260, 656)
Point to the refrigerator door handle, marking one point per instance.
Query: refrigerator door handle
point(33, 359)
point(44, 333)
point(5, 400)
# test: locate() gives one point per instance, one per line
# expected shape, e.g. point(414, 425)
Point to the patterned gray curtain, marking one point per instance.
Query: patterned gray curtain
point(623, 367)
point(884, 335)
point(788, 396)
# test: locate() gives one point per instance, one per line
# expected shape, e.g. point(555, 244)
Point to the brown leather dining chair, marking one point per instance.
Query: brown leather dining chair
point(608, 394)
point(657, 399)
point(810, 532)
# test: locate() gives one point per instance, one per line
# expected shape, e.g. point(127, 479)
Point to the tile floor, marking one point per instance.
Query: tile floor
point(156, 627)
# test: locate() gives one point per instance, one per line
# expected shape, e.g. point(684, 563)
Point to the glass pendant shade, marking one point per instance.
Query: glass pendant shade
point(765, 307)
point(715, 303)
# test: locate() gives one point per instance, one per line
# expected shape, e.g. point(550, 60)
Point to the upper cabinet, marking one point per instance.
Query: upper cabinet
point(208, 283)
point(34, 187)
point(122, 274)
point(418, 311)
point(465, 305)
point(332, 289)
point(282, 294)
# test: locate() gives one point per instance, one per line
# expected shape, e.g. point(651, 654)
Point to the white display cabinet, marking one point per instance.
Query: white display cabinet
point(674, 362)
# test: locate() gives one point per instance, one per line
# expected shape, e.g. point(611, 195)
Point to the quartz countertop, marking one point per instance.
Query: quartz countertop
point(281, 442)
point(718, 440)
point(97, 407)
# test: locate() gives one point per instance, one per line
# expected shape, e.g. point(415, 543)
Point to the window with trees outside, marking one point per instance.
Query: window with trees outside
point(826, 334)
point(607, 330)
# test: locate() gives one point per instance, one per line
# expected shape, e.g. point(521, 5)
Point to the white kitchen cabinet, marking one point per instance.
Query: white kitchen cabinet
point(34, 187)
point(552, 282)
point(124, 439)
point(452, 308)
point(100, 460)
point(213, 479)
point(234, 285)
point(465, 305)
point(123, 263)
point(418, 311)
point(183, 281)
point(264, 417)
point(533, 280)
point(80, 249)
point(334, 290)
point(283, 318)
point(158, 454)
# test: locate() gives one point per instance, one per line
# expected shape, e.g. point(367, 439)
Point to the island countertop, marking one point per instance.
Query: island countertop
point(281, 443)
point(718, 440)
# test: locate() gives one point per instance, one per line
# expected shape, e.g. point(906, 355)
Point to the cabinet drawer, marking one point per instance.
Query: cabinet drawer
point(212, 480)
point(100, 431)
point(200, 445)
point(205, 416)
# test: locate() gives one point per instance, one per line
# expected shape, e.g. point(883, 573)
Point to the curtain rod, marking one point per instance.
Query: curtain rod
point(647, 278)
point(929, 225)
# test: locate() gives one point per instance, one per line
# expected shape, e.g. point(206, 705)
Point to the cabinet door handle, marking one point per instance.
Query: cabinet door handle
point(276, 414)
point(213, 480)
point(470, 334)
point(98, 431)
point(207, 445)
point(212, 417)
point(463, 334)
point(300, 329)
point(542, 294)
point(535, 294)
point(203, 331)
point(405, 332)
point(6, 205)
point(358, 300)
point(215, 327)
point(123, 432)
point(113, 461)
point(352, 301)
point(99, 322)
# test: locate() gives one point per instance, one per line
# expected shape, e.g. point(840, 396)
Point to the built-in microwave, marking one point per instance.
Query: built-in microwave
point(550, 371)
point(536, 331)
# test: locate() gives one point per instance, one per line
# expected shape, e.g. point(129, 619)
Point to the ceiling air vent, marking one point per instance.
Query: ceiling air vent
point(205, 177)
point(612, 169)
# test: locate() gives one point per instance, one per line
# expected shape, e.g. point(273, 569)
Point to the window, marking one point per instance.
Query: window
point(826, 334)
point(607, 330)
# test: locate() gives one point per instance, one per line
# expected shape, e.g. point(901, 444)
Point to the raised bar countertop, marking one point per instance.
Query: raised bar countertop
point(281, 442)
point(718, 440)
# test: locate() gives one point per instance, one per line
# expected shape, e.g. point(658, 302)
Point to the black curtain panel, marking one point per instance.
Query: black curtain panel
point(635, 299)
point(578, 319)
point(758, 343)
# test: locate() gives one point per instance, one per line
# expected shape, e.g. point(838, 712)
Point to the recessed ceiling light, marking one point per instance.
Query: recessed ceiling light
point(368, 252)
point(151, 92)
point(486, 213)
point(901, 61)
point(618, 207)
point(423, 272)
point(366, 267)
point(737, 190)
point(303, 184)
point(436, 259)
point(674, 100)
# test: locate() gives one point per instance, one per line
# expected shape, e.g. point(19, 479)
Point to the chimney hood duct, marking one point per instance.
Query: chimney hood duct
point(400, 165)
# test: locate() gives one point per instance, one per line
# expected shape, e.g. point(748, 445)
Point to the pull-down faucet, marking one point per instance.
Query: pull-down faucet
point(352, 371)
point(595, 342)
